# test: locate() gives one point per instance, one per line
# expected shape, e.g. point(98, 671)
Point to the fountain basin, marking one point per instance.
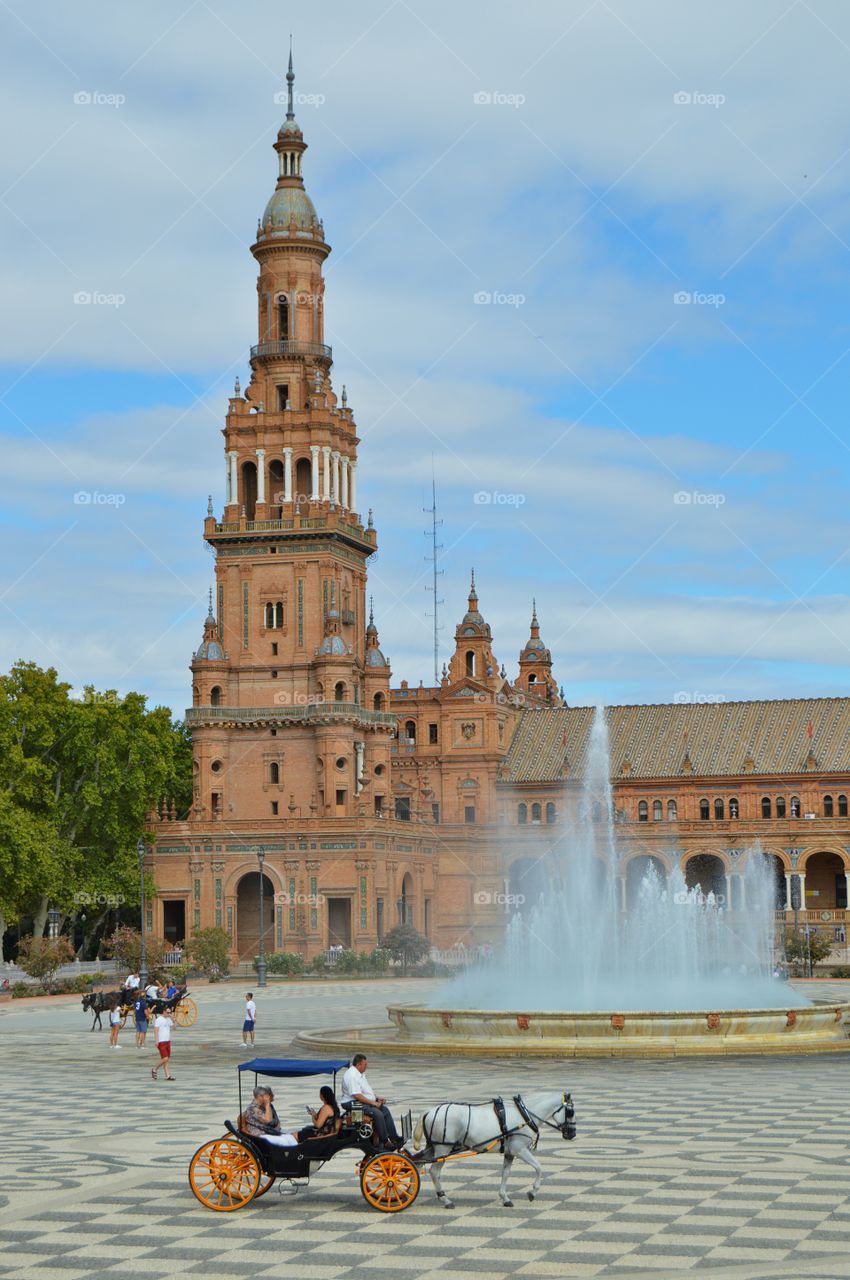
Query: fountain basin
point(487, 1033)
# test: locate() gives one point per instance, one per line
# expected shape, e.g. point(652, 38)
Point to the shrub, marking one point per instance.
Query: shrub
point(406, 945)
point(433, 969)
point(179, 973)
point(125, 948)
point(209, 951)
point(41, 957)
point(840, 971)
point(289, 963)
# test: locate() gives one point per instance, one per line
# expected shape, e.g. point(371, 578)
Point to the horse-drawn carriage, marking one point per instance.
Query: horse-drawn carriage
point(181, 1006)
point(229, 1172)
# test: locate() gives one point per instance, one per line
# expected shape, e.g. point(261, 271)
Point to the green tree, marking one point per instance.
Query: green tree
point(406, 945)
point(42, 957)
point(124, 946)
point(208, 950)
point(800, 949)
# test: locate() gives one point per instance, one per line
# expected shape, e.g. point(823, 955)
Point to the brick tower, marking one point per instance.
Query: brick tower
point(290, 721)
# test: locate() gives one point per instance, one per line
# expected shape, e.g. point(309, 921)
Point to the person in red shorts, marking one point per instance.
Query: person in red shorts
point(162, 1033)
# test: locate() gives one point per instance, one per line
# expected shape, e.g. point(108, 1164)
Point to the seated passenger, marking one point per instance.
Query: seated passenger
point(326, 1121)
point(171, 989)
point(261, 1120)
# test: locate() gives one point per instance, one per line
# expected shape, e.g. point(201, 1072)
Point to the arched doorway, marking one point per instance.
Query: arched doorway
point(247, 938)
point(776, 871)
point(826, 885)
point(249, 489)
point(707, 872)
point(405, 905)
point(637, 868)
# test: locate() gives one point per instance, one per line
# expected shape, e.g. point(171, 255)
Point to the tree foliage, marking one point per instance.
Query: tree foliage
point(208, 950)
point(800, 948)
point(406, 945)
point(42, 957)
point(124, 945)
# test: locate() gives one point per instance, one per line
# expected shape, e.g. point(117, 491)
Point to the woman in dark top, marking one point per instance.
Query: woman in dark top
point(325, 1120)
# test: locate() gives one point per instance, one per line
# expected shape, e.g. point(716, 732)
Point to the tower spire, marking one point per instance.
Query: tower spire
point(290, 81)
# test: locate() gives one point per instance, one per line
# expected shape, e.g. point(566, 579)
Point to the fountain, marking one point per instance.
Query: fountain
point(682, 971)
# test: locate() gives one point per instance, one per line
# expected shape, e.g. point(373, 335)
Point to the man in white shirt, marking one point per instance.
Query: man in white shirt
point(162, 1034)
point(356, 1088)
point(132, 982)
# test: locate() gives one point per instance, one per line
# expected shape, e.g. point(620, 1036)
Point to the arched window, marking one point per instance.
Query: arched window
point(532, 679)
point(215, 696)
point(522, 814)
point(672, 811)
point(795, 806)
point(718, 810)
point(303, 478)
point(339, 691)
point(550, 812)
point(536, 812)
point(249, 489)
point(410, 730)
point(269, 615)
point(470, 662)
point(282, 319)
point(378, 702)
point(274, 772)
point(657, 811)
point(704, 811)
point(276, 489)
point(780, 806)
point(842, 806)
point(827, 806)
point(278, 613)
point(643, 811)
point(733, 807)
point(765, 806)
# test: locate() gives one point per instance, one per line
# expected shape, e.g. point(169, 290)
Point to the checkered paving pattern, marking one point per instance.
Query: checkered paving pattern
point(733, 1167)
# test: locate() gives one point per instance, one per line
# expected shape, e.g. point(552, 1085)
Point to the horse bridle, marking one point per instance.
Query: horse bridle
point(567, 1130)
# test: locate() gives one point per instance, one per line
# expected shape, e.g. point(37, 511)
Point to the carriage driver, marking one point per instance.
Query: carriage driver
point(356, 1088)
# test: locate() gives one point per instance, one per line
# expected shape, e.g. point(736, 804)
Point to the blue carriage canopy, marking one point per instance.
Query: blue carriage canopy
point(290, 1067)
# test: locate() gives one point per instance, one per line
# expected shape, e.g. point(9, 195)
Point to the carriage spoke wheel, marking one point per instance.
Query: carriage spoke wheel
point(390, 1182)
point(224, 1175)
point(186, 1012)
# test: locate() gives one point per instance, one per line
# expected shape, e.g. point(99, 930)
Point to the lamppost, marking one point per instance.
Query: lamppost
point(261, 959)
point(143, 954)
point(53, 923)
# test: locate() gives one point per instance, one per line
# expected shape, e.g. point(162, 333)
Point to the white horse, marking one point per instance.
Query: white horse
point(454, 1126)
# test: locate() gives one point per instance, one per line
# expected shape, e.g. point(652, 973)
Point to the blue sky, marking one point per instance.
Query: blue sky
point(666, 477)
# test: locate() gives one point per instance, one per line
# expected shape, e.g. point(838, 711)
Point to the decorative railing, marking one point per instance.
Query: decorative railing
point(291, 347)
point(298, 711)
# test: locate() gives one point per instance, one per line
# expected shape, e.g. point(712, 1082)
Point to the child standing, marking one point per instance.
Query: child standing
point(250, 1018)
point(114, 1024)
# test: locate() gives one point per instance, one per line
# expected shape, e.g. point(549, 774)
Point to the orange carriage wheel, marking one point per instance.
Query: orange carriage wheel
point(390, 1182)
point(186, 1012)
point(267, 1180)
point(224, 1175)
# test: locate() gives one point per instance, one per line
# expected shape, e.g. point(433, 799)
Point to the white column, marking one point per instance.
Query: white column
point(335, 470)
point(344, 462)
point(261, 475)
point(787, 891)
point(352, 493)
point(287, 475)
point(623, 903)
point(227, 495)
point(326, 472)
point(314, 473)
point(802, 875)
point(234, 488)
point(847, 882)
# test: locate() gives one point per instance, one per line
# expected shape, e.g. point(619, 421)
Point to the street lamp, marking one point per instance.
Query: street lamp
point(143, 954)
point(53, 923)
point(261, 959)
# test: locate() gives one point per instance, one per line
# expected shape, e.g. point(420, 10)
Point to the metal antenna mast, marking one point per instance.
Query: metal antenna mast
point(432, 559)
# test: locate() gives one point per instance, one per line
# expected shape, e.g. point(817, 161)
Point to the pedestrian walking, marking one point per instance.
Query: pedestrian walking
point(250, 1018)
point(162, 1026)
point(114, 1024)
point(140, 1013)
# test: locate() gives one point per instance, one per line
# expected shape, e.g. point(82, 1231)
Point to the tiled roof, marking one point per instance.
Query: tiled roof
point(719, 739)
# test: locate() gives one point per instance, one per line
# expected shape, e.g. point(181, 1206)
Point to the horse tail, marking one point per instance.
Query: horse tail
point(418, 1132)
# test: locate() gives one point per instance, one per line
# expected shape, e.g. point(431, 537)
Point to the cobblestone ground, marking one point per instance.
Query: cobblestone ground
point(733, 1167)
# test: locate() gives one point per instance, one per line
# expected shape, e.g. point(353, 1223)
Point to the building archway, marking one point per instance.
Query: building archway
point(636, 869)
point(249, 489)
point(405, 903)
point(527, 882)
point(826, 884)
point(247, 940)
point(707, 872)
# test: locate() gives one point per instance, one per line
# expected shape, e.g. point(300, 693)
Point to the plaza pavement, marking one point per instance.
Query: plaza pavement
point(729, 1167)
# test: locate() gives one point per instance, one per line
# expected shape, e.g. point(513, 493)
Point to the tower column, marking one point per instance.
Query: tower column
point(314, 473)
point(287, 475)
point(261, 475)
point(233, 491)
point(344, 462)
point(326, 472)
point(352, 492)
point(803, 890)
point(335, 469)
point(787, 906)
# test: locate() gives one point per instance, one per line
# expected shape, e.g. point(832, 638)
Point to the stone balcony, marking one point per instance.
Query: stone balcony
point(290, 348)
point(287, 713)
